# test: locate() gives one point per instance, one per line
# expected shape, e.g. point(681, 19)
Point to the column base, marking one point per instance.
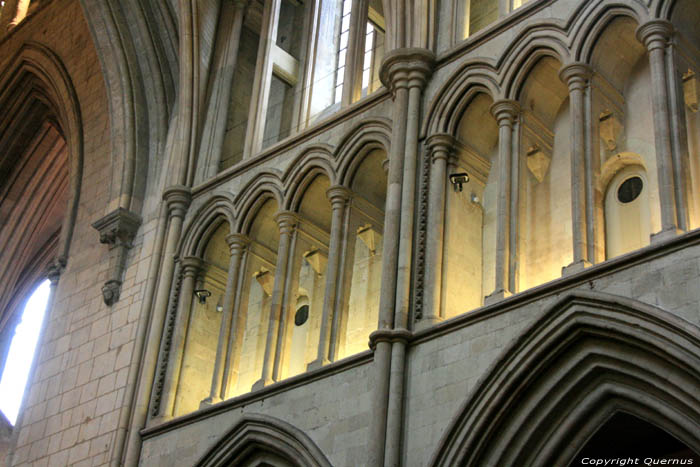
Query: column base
point(209, 401)
point(576, 266)
point(261, 383)
point(428, 322)
point(663, 235)
point(496, 296)
point(318, 363)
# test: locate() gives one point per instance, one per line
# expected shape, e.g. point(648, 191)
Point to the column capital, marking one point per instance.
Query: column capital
point(178, 198)
point(191, 265)
point(237, 241)
point(575, 74)
point(505, 111)
point(407, 68)
point(286, 221)
point(654, 34)
point(440, 145)
point(338, 195)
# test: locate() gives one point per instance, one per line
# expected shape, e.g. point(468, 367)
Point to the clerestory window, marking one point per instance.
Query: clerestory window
point(18, 361)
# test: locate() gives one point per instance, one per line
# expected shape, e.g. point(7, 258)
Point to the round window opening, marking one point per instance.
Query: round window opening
point(302, 315)
point(630, 189)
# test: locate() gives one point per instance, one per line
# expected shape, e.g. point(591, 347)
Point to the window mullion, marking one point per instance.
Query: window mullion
point(352, 86)
point(263, 77)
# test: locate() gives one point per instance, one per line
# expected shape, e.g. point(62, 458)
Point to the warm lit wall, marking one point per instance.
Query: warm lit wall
point(545, 212)
point(363, 309)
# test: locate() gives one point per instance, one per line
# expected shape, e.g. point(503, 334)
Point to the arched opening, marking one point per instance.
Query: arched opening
point(17, 362)
point(545, 230)
point(249, 336)
point(622, 120)
point(205, 315)
point(591, 355)
point(364, 253)
point(308, 281)
point(627, 211)
point(41, 170)
point(625, 436)
point(470, 232)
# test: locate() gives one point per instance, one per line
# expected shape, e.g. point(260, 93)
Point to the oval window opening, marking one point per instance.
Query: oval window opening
point(630, 190)
point(302, 315)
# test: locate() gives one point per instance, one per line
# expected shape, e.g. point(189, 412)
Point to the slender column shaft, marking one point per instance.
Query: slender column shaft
point(190, 269)
point(576, 76)
point(237, 243)
point(392, 453)
point(403, 278)
point(655, 35)
point(505, 113)
point(440, 149)
point(286, 222)
point(679, 135)
point(338, 197)
point(392, 213)
point(178, 198)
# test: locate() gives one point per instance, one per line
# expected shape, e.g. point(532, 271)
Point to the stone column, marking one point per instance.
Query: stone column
point(440, 147)
point(405, 72)
point(286, 221)
point(655, 36)
point(339, 197)
point(576, 76)
point(237, 244)
point(190, 269)
point(505, 112)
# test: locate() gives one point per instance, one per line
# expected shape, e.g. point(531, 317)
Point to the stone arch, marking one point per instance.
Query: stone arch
point(596, 19)
point(41, 106)
point(446, 109)
point(255, 434)
point(259, 189)
point(591, 355)
point(521, 60)
point(364, 138)
point(53, 86)
point(302, 179)
point(219, 208)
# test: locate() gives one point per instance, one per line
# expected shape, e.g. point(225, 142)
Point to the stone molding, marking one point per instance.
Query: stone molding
point(654, 34)
point(389, 335)
point(576, 75)
point(178, 199)
point(263, 434)
point(406, 68)
point(117, 229)
point(525, 374)
point(505, 112)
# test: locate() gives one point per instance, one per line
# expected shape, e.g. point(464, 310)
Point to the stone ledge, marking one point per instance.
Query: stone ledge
point(263, 393)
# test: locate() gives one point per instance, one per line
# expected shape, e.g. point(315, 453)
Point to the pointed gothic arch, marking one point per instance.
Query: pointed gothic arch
point(590, 356)
point(257, 435)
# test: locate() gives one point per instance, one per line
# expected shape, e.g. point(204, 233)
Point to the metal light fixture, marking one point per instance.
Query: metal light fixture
point(459, 179)
point(202, 295)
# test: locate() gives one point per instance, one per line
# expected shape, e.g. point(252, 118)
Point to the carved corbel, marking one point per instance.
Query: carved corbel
point(117, 229)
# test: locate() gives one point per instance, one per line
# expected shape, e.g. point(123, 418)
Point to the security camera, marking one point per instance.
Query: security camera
point(459, 179)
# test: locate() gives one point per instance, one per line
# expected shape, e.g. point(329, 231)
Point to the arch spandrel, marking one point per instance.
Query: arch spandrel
point(590, 356)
